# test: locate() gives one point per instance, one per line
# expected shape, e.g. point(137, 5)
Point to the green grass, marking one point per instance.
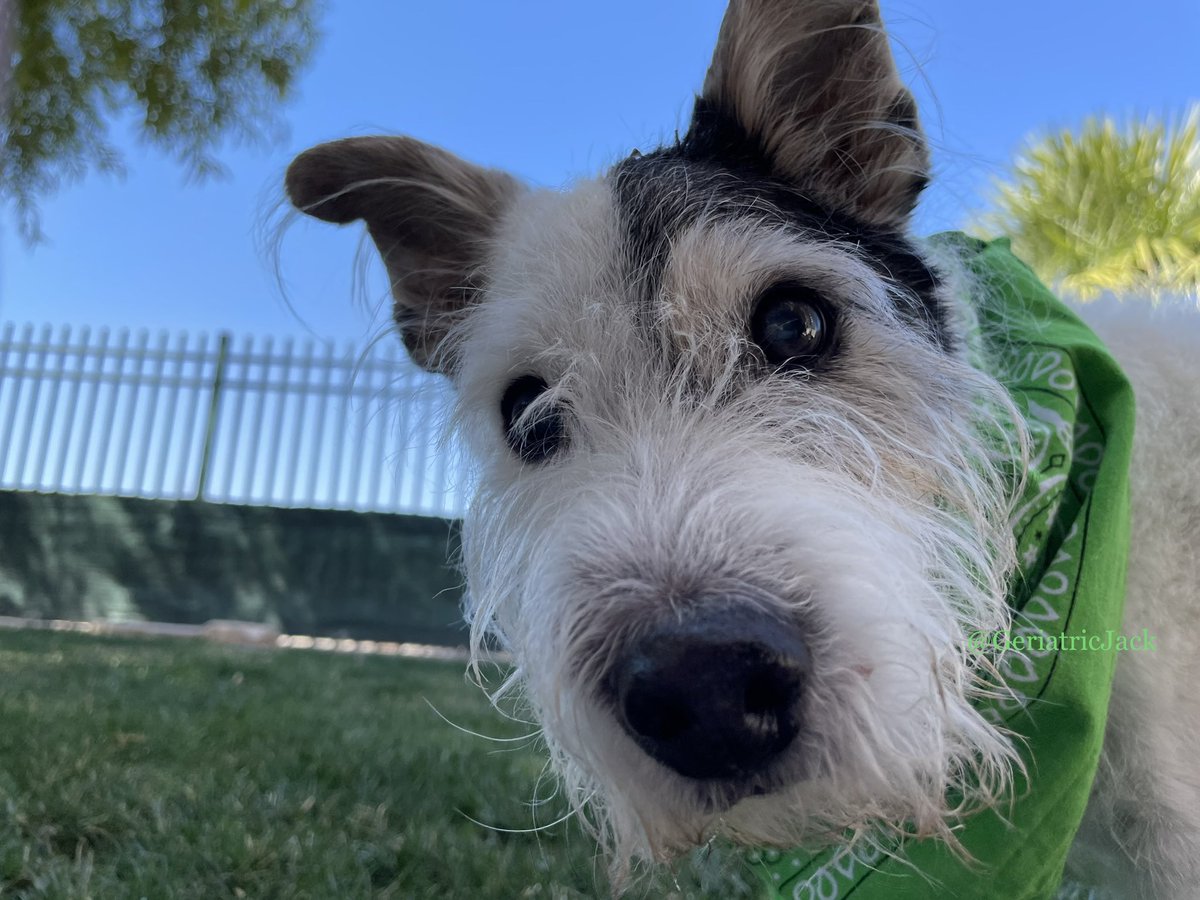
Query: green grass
point(178, 769)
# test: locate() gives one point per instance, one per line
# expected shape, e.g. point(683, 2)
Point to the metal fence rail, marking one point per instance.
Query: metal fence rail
point(241, 421)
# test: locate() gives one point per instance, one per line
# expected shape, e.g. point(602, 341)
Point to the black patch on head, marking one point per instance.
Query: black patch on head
point(717, 138)
point(718, 170)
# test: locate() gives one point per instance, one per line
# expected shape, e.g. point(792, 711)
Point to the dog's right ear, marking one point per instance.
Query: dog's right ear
point(432, 215)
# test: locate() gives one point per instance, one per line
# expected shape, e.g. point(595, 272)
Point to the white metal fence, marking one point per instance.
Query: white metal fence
point(280, 423)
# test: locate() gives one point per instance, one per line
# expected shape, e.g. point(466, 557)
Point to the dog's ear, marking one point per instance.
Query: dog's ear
point(813, 85)
point(432, 215)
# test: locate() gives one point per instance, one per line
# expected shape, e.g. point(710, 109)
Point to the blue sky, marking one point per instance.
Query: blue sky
point(550, 91)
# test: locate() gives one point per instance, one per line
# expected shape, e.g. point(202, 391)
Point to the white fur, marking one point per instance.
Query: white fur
point(869, 506)
point(1141, 835)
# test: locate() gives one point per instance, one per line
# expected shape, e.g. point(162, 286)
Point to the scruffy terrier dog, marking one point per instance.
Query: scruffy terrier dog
point(746, 490)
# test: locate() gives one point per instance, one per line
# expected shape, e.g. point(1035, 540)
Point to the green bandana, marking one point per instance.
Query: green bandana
point(1072, 530)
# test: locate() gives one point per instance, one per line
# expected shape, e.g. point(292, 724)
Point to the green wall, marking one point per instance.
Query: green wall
point(325, 572)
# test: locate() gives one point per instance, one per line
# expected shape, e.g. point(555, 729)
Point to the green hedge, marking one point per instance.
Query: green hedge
point(329, 572)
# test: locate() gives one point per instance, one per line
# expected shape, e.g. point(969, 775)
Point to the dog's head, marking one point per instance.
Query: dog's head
point(738, 505)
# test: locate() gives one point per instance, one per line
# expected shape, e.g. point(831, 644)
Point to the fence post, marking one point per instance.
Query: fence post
point(214, 406)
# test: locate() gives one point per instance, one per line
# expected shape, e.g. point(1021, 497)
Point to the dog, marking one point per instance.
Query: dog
point(747, 490)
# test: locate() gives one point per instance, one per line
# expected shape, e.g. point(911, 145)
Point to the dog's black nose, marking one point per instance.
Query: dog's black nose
point(715, 696)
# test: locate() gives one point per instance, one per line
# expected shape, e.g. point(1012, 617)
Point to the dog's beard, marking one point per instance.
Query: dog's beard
point(888, 541)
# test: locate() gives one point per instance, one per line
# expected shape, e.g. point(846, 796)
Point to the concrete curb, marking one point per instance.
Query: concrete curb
point(249, 634)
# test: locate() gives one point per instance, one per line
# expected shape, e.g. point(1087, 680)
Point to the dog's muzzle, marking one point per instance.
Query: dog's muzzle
point(716, 695)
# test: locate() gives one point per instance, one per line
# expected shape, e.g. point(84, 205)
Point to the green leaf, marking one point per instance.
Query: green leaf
point(194, 73)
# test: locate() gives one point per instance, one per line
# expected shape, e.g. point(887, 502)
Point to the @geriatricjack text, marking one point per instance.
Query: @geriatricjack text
point(1040, 642)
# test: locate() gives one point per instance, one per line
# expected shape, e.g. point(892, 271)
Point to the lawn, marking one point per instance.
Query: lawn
point(179, 769)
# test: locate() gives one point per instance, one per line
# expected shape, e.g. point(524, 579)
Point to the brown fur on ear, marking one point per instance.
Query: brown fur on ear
point(431, 214)
point(814, 83)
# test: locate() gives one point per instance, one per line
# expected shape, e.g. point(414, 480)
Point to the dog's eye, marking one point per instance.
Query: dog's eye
point(792, 324)
point(535, 439)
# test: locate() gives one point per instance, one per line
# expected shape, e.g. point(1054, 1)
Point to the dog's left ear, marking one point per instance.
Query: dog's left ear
point(813, 86)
